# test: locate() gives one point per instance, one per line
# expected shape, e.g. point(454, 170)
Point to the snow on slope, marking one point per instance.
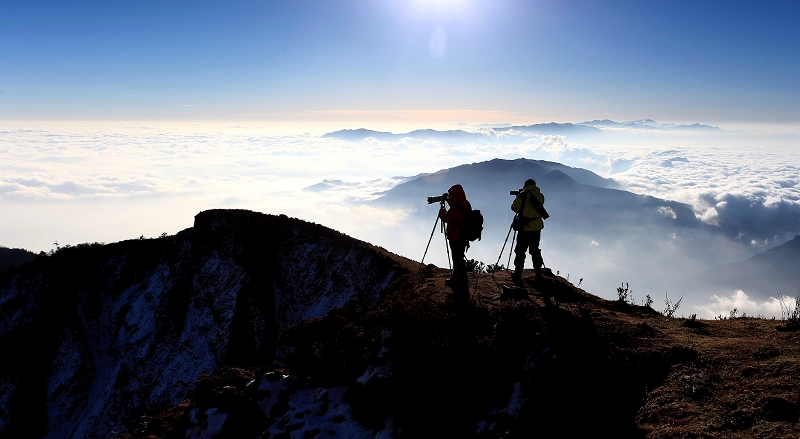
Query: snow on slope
point(129, 327)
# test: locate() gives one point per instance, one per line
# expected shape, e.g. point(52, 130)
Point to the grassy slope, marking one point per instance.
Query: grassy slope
point(585, 366)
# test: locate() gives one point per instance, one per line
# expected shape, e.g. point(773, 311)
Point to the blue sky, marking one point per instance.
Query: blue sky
point(560, 60)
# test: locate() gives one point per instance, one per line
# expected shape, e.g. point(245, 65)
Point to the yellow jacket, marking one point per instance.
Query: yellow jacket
point(536, 222)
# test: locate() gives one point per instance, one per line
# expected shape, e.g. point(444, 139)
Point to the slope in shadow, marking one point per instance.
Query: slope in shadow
point(96, 336)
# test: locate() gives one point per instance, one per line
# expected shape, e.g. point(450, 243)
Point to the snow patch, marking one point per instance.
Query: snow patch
point(316, 277)
point(516, 401)
point(6, 390)
point(207, 426)
point(379, 372)
point(317, 411)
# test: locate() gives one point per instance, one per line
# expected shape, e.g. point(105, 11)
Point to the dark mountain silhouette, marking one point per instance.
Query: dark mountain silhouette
point(512, 173)
point(695, 127)
point(257, 326)
point(588, 128)
point(577, 197)
point(461, 135)
point(14, 257)
point(774, 270)
point(426, 134)
point(602, 123)
point(649, 124)
point(595, 230)
point(553, 128)
point(95, 336)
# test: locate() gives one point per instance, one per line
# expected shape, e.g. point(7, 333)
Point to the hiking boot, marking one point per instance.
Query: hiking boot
point(460, 297)
point(517, 278)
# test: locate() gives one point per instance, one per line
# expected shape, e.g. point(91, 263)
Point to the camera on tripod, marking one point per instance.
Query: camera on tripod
point(516, 192)
point(440, 199)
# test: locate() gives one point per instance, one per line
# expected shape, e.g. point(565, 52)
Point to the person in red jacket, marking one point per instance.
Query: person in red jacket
point(454, 219)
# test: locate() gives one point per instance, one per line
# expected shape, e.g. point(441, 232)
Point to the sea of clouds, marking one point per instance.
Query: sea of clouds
point(69, 183)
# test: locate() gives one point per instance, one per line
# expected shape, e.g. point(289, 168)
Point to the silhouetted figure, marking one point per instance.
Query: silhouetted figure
point(454, 219)
point(531, 229)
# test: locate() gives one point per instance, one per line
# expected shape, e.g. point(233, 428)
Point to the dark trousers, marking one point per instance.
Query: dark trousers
point(458, 248)
point(528, 241)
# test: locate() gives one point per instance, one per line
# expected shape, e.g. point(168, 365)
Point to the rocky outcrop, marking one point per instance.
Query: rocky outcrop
point(95, 337)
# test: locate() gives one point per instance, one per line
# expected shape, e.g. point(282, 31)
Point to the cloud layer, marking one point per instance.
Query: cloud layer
point(108, 183)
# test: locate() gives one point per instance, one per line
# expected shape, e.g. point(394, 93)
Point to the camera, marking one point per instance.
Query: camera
point(440, 199)
point(516, 192)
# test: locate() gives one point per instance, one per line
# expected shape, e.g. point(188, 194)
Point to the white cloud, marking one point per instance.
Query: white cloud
point(742, 303)
point(725, 178)
point(710, 216)
point(667, 212)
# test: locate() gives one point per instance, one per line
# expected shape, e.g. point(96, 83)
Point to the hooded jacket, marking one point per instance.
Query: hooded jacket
point(536, 222)
point(454, 218)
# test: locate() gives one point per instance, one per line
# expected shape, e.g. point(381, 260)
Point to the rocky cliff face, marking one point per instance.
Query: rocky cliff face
point(95, 337)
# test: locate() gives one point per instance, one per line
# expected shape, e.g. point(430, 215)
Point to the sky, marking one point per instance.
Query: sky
point(125, 119)
point(389, 62)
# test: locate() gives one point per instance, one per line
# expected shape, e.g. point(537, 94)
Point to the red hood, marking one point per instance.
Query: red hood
point(457, 195)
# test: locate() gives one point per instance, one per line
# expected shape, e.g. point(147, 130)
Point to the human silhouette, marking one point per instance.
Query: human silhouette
point(454, 219)
point(529, 224)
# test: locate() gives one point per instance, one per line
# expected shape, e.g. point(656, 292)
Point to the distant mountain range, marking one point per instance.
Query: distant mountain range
point(592, 127)
point(775, 270)
point(577, 197)
point(362, 133)
point(657, 242)
point(649, 124)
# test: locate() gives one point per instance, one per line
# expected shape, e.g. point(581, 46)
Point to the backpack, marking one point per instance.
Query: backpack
point(472, 227)
point(521, 221)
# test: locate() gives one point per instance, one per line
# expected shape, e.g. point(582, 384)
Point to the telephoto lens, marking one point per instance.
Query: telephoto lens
point(438, 199)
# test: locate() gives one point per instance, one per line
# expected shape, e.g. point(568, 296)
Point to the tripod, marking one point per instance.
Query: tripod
point(510, 250)
point(421, 262)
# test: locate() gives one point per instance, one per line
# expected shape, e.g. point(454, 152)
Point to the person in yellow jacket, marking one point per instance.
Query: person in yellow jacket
point(530, 233)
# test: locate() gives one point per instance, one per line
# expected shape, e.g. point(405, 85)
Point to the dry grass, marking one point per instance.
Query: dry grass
point(588, 366)
point(743, 384)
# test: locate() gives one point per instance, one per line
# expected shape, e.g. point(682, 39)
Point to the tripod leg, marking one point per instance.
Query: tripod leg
point(504, 246)
point(511, 250)
point(500, 256)
point(447, 246)
point(429, 244)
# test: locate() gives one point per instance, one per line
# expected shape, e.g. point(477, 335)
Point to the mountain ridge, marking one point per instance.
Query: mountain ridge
point(416, 364)
point(392, 355)
point(124, 329)
point(14, 257)
point(549, 128)
point(772, 271)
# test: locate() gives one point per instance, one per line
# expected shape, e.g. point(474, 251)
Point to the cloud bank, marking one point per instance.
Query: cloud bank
point(107, 183)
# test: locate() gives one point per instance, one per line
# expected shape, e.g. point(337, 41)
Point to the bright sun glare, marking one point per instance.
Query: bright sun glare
point(441, 3)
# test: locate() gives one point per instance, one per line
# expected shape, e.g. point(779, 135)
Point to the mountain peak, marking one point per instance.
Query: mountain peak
point(147, 317)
